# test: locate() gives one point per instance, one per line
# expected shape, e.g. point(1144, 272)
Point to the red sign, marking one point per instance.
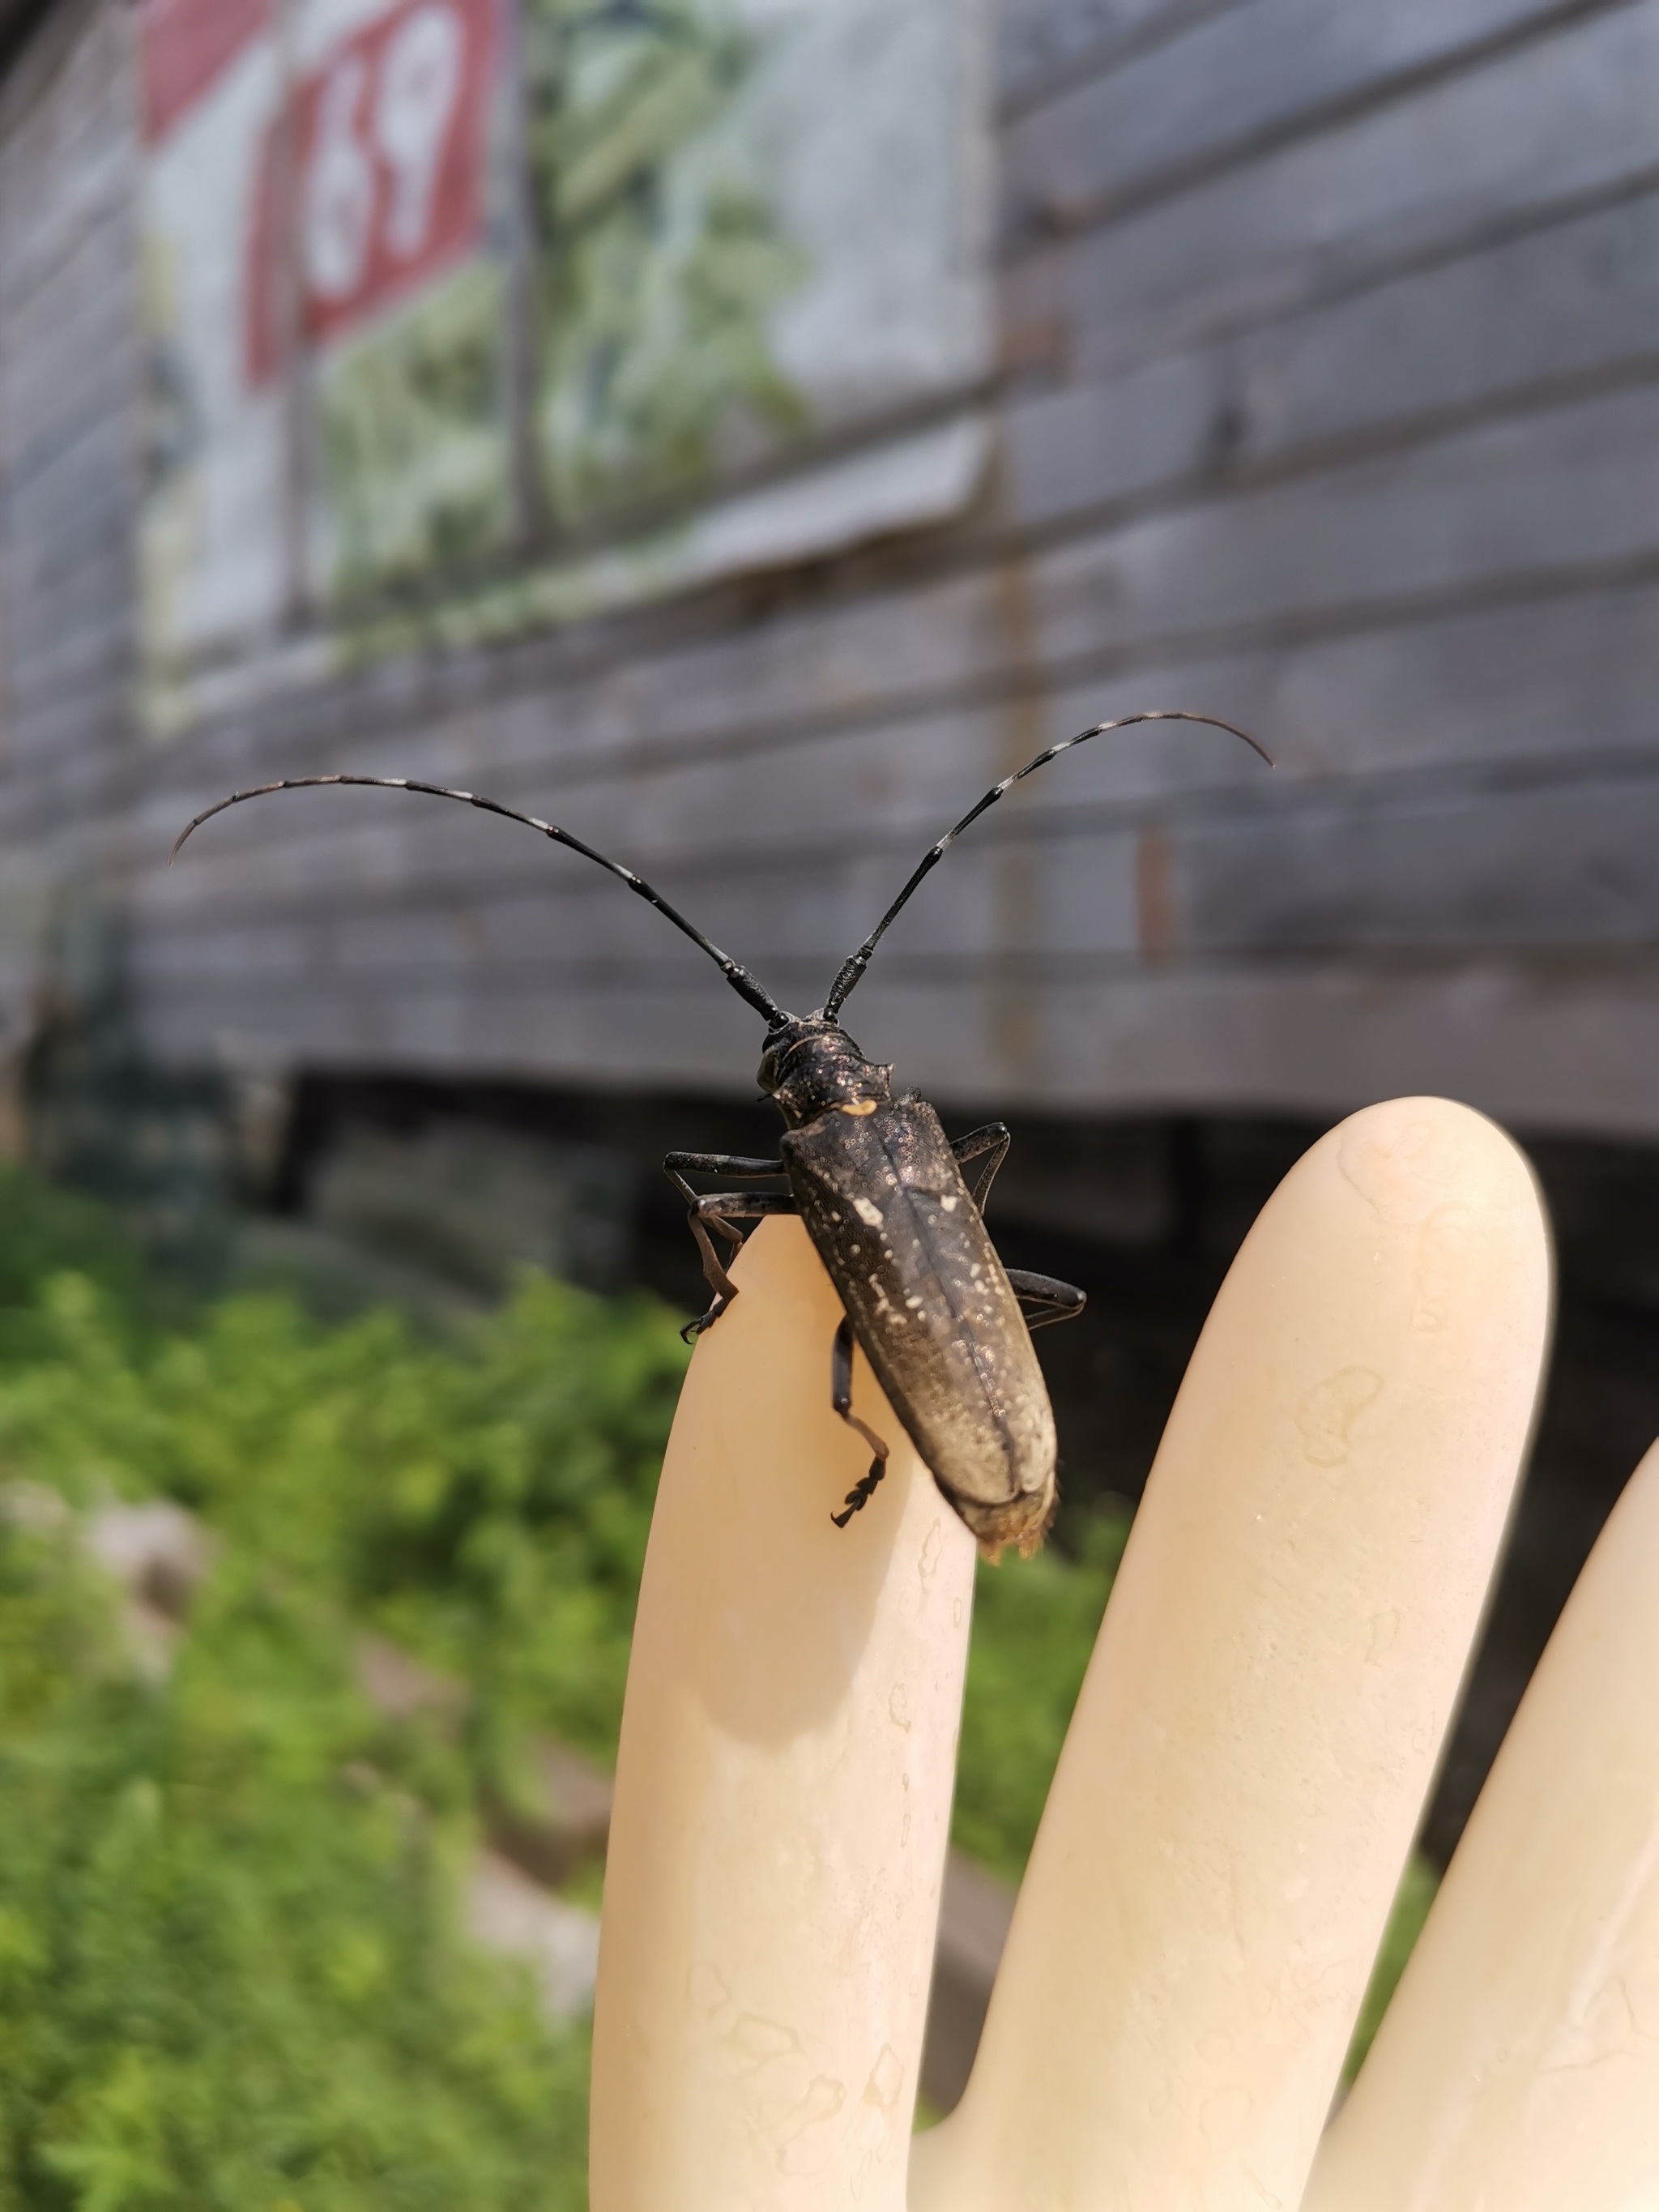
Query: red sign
point(183, 46)
point(390, 139)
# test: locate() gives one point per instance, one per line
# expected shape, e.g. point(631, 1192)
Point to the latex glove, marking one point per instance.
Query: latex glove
point(1249, 1759)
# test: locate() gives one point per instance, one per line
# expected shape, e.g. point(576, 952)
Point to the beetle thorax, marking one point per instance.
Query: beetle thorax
point(812, 1067)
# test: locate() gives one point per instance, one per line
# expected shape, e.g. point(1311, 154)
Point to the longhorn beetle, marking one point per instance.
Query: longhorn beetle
point(945, 1327)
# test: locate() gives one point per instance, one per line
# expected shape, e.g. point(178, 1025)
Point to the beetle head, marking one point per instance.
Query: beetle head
point(810, 1067)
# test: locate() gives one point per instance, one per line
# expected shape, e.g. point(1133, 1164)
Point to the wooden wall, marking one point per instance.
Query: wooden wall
point(1329, 404)
point(69, 428)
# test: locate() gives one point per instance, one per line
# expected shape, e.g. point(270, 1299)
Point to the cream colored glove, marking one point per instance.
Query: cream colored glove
point(1251, 1750)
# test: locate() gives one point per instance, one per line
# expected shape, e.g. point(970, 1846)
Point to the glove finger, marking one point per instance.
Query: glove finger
point(783, 1783)
point(1262, 1715)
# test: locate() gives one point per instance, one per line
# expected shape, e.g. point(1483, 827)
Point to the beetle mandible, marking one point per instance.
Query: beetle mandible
point(945, 1327)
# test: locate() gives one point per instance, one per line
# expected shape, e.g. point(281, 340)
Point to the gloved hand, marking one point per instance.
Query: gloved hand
point(1249, 1756)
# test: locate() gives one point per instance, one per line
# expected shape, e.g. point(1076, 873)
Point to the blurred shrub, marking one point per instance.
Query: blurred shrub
point(44, 1231)
point(1033, 1627)
point(487, 1503)
point(1416, 1893)
point(228, 1975)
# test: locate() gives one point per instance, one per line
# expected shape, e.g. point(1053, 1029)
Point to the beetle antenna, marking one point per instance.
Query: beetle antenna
point(734, 972)
point(853, 967)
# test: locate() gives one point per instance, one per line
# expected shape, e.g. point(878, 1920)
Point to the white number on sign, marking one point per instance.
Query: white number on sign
point(409, 108)
point(339, 187)
point(420, 83)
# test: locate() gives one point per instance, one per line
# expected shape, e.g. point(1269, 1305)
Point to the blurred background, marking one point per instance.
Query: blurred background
point(741, 430)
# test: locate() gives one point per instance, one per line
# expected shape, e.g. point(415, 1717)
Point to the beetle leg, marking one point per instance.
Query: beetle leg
point(721, 1210)
point(724, 1164)
point(677, 1165)
point(840, 1397)
point(1054, 1301)
point(995, 1139)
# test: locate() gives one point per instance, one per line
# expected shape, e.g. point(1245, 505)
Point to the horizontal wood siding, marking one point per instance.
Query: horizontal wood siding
point(1329, 404)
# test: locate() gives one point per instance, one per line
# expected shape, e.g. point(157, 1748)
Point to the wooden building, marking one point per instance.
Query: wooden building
point(1302, 371)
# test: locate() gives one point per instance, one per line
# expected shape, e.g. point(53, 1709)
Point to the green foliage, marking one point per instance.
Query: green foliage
point(660, 259)
point(486, 1504)
point(1033, 1627)
point(415, 454)
point(228, 1974)
point(44, 1231)
point(1416, 1893)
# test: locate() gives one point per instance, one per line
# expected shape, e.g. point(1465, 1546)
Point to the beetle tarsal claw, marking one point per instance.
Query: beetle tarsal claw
point(859, 1496)
point(693, 1329)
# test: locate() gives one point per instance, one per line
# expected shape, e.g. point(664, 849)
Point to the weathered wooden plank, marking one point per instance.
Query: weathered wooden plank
point(59, 271)
point(78, 553)
point(87, 659)
point(375, 988)
point(780, 772)
point(1449, 692)
point(1501, 505)
point(949, 639)
point(393, 902)
point(1560, 869)
point(73, 70)
point(78, 574)
point(79, 717)
point(1567, 866)
point(59, 132)
point(1577, 299)
point(1038, 40)
point(78, 496)
point(63, 378)
point(1538, 874)
point(1491, 686)
point(51, 615)
point(1497, 505)
point(371, 858)
point(88, 372)
point(1504, 145)
point(1533, 307)
point(1162, 426)
point(842, 662)
point(1568, 1048)
point(52, 645)
point(1574, 1050)
point(1230, 86)
point(86, 192)
point(64, 67)
point(67, 272)
point(576, 1039)
point(756, 686)
point(421, 749)
point(84, 379)
point(91, 672)
point(83, 461)
point(79, 343)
